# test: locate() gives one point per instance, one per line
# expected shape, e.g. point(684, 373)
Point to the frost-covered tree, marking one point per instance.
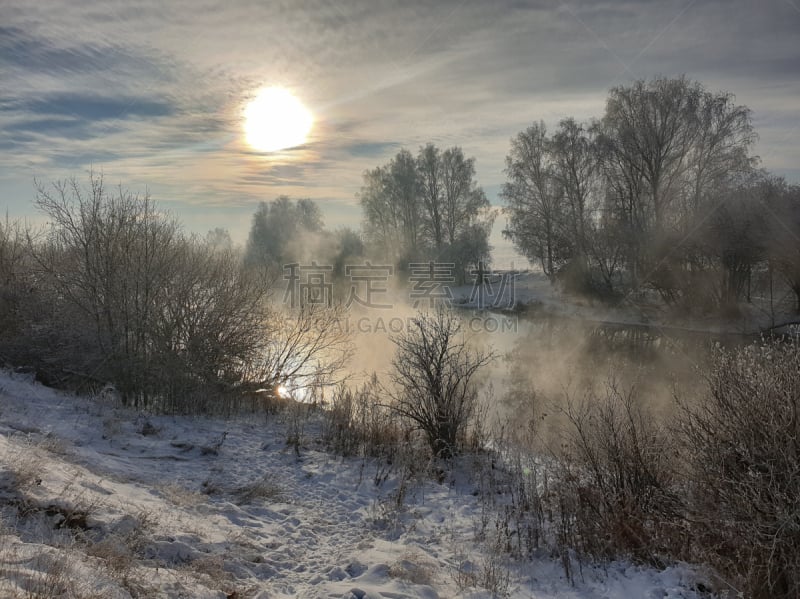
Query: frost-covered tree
point(278, 228)
point(534, 200)
point(424, 208)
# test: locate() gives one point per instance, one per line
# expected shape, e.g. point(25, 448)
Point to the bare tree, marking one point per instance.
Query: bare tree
point(463, 199)
point(209, 327)
point(382, 227)
point(650, 126)
point(424, 208)
point(15, 279)
point(434, 379)
point(575, 170)
point(404, 192)
point(392, 207)
point(632, 193)
point(534, 200)
point(429, 166)
point(719, 152)
point(12, 250)
point(109, 257)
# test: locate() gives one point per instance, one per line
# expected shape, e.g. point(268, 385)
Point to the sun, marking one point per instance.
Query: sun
point(275, 120)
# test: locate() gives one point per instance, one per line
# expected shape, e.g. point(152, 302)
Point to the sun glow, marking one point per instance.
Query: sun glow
point(275, 120)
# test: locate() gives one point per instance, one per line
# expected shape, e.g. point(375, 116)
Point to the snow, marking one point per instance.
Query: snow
point(98, 501)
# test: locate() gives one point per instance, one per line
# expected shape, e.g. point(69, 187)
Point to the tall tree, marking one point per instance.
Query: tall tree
point(276, 228)
point(381, 221)
point(430, 167)
point(720, 150)
point(649, 127)
point(534, 200)
point(428, 207)
point(404, 192)
point(463, 199)
point(637, 191)
point(575, 168)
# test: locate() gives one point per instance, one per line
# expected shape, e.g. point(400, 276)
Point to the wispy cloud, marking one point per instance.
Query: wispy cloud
point(153, 92)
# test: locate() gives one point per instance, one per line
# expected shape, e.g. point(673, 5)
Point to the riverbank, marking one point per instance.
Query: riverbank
point(531, 294)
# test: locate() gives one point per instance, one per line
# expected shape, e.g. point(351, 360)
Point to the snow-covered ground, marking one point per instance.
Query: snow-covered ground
point(97, 501)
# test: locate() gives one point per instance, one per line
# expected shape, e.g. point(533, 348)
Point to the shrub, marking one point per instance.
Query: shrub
point(743, 443)
point(170, 319)
point(434, 379)
point(13, 255)
point(358, 425)
point(616, 479)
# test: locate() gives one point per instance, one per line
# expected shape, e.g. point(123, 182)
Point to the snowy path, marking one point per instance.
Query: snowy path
point(256, 520)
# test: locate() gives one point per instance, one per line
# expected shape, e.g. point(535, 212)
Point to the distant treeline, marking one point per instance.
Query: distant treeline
point(661, 193)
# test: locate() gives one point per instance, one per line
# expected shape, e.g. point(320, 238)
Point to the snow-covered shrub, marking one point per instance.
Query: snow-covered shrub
point(743, 445)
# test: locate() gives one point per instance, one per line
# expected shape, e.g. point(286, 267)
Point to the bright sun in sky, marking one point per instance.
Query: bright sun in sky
point(275, 119)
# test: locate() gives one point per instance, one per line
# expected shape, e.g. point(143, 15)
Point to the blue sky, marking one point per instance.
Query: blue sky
point(152, 93)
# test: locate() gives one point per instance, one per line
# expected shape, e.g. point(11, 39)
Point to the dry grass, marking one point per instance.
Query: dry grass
point(262, 489)
point(210, 572)
point(25, 465)
point(414, 568)
point(489, 571)
point(181, 496)
point(42, 572)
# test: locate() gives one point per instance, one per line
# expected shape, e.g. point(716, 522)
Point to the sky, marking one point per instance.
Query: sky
point(152, 93)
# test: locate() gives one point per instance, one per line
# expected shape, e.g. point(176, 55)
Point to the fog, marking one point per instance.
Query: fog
point(542, 361)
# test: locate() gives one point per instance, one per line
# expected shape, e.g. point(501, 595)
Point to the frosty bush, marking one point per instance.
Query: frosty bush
point(18, 300)
point(717, 485)
point(743, 441)
point(615, 479)
point(434, 379)
point(168, 318)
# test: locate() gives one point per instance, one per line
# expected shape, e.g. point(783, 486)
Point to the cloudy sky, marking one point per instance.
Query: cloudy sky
point(152, 93)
